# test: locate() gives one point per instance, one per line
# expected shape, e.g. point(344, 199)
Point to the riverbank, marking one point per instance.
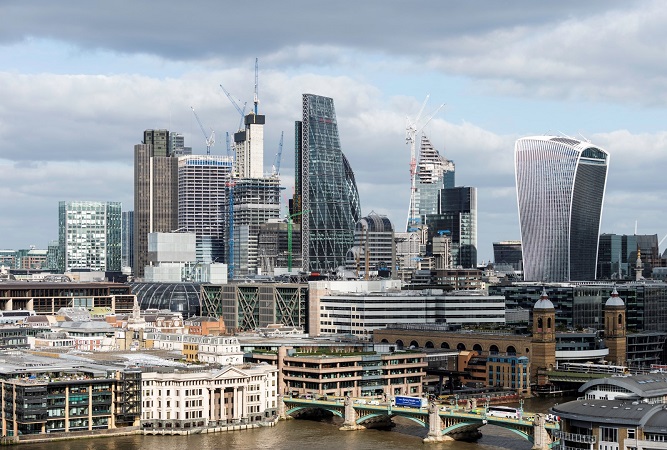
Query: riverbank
point(129, 431)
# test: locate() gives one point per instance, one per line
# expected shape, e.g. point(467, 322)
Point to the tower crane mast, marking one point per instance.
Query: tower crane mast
point(279, 155)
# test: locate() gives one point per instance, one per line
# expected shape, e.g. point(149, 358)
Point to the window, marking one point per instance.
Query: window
point(631, 433)
point(609, 434)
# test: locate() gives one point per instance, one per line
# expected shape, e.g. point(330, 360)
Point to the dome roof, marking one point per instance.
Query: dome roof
point(614, 300)
point(544, 302)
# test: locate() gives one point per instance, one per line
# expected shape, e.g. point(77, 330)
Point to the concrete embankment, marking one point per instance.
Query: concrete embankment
point(128, 431)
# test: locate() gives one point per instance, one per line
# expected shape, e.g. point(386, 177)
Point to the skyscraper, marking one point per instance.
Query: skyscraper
point(203, 184)
point(127, 239)
point(155, 193)
point(325, 190)
point(457, 218)
point(434, 173)
point(256, 202)
point(89, 236)
point(560, 186)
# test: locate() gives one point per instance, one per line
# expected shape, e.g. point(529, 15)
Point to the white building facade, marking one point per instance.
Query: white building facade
point(560, 184)
point(203, 398)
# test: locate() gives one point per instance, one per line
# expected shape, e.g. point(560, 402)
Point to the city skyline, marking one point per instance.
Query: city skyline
point(71, 76)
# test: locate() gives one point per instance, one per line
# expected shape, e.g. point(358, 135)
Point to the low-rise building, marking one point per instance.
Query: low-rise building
point(340, 373)
point(178, 398)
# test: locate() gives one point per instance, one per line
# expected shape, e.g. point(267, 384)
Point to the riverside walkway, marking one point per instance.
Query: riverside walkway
point(454, 423)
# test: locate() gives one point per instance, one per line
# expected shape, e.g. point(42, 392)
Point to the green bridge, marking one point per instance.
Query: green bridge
point(452, 424)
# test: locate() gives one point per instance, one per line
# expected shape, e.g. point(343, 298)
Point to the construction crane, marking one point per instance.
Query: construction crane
point(289, 236)
point(238, 108)
point(230, 240)
point(210, 140)
point(229, 148)
point(276, 163)
point(256, 98)
point(411, 130)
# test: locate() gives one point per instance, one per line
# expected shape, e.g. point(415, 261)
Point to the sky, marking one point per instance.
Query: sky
point(80, 81)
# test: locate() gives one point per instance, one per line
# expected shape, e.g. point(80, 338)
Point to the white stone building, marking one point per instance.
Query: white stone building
point(178, 398)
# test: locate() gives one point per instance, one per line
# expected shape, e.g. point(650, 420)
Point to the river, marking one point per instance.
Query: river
point(306, 435)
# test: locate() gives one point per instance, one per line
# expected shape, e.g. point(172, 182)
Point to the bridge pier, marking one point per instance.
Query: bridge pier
point(435, 426)
point(281, 408)
point(350, 420)
point(541, 439)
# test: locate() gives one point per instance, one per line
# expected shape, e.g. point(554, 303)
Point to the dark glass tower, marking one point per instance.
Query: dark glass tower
point(458, 219)
point(325, 193)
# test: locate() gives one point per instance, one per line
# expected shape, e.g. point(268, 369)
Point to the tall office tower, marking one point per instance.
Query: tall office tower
point(203, 184)
point(648, 245)
point(507, 255)
point(617, 255)
point(177, 145)
point(249, 147)
point(374, 248)
point(560, 185)
point(155, 193)
point(256, 202)
point(127, 239)
point(457, 219)
point(325, 191)
point(89, 236)
point(434, 173)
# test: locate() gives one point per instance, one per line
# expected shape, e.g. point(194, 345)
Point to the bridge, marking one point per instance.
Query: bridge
point(451, 424)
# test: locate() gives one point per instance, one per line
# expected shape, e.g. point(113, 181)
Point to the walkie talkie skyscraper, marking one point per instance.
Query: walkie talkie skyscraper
point(560, 185)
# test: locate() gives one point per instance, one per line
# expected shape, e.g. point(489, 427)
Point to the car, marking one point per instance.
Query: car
point(374, 402)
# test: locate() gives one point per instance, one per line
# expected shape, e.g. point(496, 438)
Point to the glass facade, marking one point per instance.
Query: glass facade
point(434, 173)
point(458, 220)
point(325, 190)
point(560, 188)
point(89, 236)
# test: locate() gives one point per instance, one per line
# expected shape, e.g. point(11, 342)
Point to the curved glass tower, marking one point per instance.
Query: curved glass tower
point(326, 199)
point(560, 184)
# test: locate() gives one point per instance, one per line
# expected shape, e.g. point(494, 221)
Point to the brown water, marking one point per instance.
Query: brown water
point(306, 435)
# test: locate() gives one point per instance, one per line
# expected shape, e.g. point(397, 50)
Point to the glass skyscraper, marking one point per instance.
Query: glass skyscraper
point(434, 173)
point(325, 191)
point(89, 236)
point(457, 218)
point(560, 186)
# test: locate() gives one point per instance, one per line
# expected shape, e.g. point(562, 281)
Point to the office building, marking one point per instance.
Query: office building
point(507, 255)
point(203, 198)
point(617, 254)
point(279, 247)
point(374, 250)
point(249, 306)
point(127, 239)
point(434, 173)
point(457, 219)
point(325, 189)
point(155, 193)
point(89, 236)
point(560, 186)
point(256, 202)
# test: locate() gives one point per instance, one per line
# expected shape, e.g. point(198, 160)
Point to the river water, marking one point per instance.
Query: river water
point(306, 435)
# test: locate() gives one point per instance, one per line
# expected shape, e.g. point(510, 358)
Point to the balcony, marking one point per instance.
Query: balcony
point(572, 437)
